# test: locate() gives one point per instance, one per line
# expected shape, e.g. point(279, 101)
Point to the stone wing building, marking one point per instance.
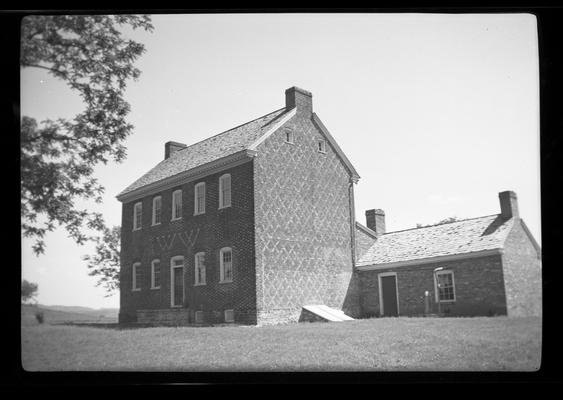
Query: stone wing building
point(256, 225)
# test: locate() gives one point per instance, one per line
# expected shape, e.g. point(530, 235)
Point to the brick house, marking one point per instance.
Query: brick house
point(488, 265)
point(253, 224)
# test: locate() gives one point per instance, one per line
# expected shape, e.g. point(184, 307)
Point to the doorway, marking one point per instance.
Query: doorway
point(388, 295)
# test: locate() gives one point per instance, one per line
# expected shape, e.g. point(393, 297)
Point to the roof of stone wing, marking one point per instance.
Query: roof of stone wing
point(465, 236)
point(211, 149)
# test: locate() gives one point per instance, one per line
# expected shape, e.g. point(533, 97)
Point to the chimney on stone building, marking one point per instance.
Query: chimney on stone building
point(172, 147)
point(375, 220)
point(508, 204)
point(299, 98)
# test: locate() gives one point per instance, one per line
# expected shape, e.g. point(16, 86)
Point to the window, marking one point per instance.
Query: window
point(199, 200)
point(136, 277)
point(225, 191)
point(200, 268)
point(445, 289)
point(229, 315)
point(226, 265)
point(322, 146)
point(288, 136)
point(199, 317)
point(137, 216)
point(155, 274)
point(177, 204)
point(156, 210)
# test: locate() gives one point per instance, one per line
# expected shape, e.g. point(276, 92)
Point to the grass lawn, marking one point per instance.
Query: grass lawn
point(409, 344)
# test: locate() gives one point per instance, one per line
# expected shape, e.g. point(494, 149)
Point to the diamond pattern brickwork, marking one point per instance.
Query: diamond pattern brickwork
point(302, 216)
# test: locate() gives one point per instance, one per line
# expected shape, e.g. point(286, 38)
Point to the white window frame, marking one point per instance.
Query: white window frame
point(172, 267)
point(436, 293)
point(321, 146)
point(135, 286)
point(291, 136)
point(137, 214)
point(152, 273)
point(196, 265)
point(196, 199)
point(232, 312)
point(176, 217)
point(154, 200)
point(221, 200)
point(381, 305)
point(222, 266)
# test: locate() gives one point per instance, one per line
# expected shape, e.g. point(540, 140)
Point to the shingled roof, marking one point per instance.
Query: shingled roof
point(208, 150)
point(454, 238)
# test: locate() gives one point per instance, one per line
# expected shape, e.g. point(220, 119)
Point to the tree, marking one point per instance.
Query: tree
point(105, 262)
point(444, 221)
point(58, 156)
point(29, 291)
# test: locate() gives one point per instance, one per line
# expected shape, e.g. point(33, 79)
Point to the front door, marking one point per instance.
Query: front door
point(177, 282)
point(388, 295)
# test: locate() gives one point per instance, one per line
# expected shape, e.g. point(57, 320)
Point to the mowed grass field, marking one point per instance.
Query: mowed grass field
point(383, 344)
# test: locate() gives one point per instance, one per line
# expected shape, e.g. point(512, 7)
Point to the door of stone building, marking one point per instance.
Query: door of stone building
point(177, 282)
point(388, 295)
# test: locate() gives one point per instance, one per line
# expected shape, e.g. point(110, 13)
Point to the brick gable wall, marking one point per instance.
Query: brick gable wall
point(303, 227)
point(522, 272)
point(230, 227)
point(479, 288)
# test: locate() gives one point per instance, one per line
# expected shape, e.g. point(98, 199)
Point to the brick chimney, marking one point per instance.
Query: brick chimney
point(171, 147)
point(302, 99)
point(375, 220)
point(508, 204)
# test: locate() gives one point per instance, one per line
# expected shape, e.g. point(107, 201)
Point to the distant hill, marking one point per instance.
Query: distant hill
point(64, 314)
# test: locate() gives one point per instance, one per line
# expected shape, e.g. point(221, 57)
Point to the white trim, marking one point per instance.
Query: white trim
point(221, 266)
point(196, 202)
point(191, 175)
point(175, 218)
point(274, 128)
point(152, 273)
point(452, 257)
point(135, 227)
point(172, 268)
point(221, 178)
point(443, 272)
point(196, 283)
point(154, 208)
point(381, 305)
point(134, 287)
point(339, 152)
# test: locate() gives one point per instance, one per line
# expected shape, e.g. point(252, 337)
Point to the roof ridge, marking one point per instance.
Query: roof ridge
point(443, 223)
point(228, 130)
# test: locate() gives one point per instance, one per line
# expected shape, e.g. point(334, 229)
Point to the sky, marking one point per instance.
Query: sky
point(438, 113)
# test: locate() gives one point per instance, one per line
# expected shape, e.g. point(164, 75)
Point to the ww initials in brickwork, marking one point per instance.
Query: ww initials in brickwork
point(188, 239)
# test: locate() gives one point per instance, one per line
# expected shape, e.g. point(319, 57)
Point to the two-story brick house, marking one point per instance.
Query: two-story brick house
point(250, 225)
point(255, 223)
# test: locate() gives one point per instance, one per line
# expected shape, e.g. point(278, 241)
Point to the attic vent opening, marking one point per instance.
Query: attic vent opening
point(321, 145)
point(289, 136)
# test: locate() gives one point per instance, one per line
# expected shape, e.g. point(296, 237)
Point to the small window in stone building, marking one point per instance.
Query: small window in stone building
point(445, 286)
point(229, 315)
point(322, 146)
point(137, 216)
point(200, 268)
point(155, 274)
point(156, 210)
point(177, 204)
point(225, 191)
point(136, 276)
point(289, 136)
point(199, 198)
point(226, 265)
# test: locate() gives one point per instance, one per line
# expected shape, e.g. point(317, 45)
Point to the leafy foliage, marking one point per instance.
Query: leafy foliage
point(58, 156)
point(105, 262)
point(29, 291)
point(444, 221)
